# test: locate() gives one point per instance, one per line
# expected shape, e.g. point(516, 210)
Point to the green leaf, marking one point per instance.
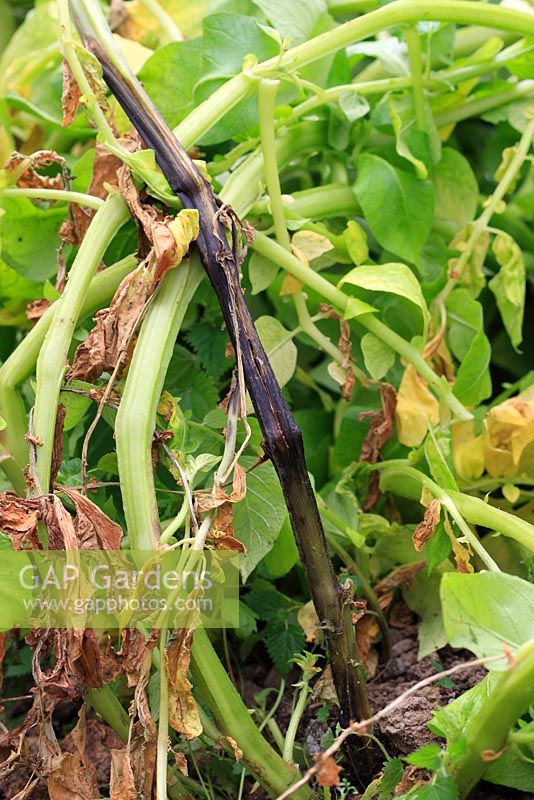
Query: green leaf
point(297, 19)
point(426, 757)
point(262, 272)
point(266, 603)
point(511, 770)
point(173, 98)
point(247, 621)
point(473, 382)
point(356, 242)
point(389, 278)
point(378, 356)
point(284, 553)
point(484, 611)
point(284, 640)
point(436, 453)
point(259, 516)
point(209, 343)
point(423, 597)
point(76, 405)
point(509, 285)
point(456, 189)
point(437, 549)
point(398, 207)
point(29, 237)
point(451, 721)
point(279, 346)
point(392, 773)
point(3, 424)
point(465, 319)
point(355, 308)
point(418, 147)
point(5, 542)
point(442, 789)
point(353, 106)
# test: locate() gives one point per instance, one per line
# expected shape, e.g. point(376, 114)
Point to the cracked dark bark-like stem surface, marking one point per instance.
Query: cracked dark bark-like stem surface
point(282, 437)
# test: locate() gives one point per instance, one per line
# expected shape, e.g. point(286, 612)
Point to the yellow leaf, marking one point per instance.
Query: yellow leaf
point(183, 711)
point(309, 621)
point(468, 451)
point(185, 230)
point(416, 407)
point(508, 437)
point(134, 52)
point(311, 244)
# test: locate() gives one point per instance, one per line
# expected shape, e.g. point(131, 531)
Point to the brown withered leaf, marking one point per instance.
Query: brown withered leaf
point(25, 168)
point(61, 531)
point(27, 790)
point(121, 782)
point(75, 778)
point(379, 433)
point(57, 447)
point(238, 753)
point(110, 340)
point(183, 711)
point(181, 762)
point(345, 345)
point(462, 556)
point(206, 501)
point(19, 519)
point(328, 772)
point(427, 526)
point(398, 577)
point(142, 742)
point(36, 309)
point(94, 529)
point(70, 96)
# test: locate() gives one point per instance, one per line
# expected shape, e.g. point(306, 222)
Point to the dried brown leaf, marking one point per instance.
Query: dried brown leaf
point(379, 433)
point(183, 711)
point(398, 577)
point(18, 520)
point(94, 529)
point(181, 762)
point(36, 309)
point(25, 170)
point(121, 782)
point(57, 447)
point(70, 96)
point(424, 531)
point(75, 778)
point(328, 772)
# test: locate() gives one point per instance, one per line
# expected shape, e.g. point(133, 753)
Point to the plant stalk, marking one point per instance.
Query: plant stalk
point(282, 437)
point(488, 731)
point(54, 351)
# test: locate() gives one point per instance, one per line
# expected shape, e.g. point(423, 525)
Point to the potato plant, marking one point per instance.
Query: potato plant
point(264, 270)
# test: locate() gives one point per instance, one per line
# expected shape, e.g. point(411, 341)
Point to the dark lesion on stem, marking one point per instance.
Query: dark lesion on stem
point(282, 438)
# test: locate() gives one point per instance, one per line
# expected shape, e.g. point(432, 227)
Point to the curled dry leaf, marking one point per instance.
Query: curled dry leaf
point(379, 433)
point(345, 346)
point(183, 711)
point(75, 778)
point(109, 343)
point(70, 96)
point(57, 447)
point(181, 762)
point(94, 529)
point(238, 753)
point(24, 170)
point(36, 309)
point(462, 555)
point(121, 782)
point(328, 772)
point(142, 743)
point(18, 520)
point(427, 526)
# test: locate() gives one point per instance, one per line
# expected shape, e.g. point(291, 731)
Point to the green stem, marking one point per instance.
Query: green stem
point(476, 106)
point(416, 68)
point(270, 249)
point(267, 104)
point(171, 31)
point(489, 729)
point(408, 482)
point(233, 719)
point(466, 12)
point(54, 351)
point(292, 728)
point(136, 418)
point(64, 196)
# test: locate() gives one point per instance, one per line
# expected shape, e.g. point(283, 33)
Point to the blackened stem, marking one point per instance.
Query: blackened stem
point(218, 246)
